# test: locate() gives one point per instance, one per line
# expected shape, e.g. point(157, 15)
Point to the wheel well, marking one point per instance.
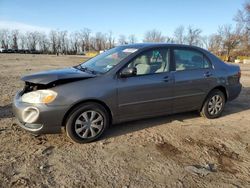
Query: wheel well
point(221, 88)
point(86, 101)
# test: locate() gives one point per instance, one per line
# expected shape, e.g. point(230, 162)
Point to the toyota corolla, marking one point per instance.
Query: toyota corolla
point(122, 84)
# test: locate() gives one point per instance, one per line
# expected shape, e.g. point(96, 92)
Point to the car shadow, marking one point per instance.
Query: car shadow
point(137, 125)
point(238, 105)
point(6, 111)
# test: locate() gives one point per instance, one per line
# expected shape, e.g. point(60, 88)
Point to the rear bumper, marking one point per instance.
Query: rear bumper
point(38, 118)
point(234, 91)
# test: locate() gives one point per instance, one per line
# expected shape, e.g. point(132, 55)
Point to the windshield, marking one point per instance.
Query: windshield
point(107, 60)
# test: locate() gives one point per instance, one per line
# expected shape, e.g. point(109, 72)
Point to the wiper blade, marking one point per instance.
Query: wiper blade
point(86, 69)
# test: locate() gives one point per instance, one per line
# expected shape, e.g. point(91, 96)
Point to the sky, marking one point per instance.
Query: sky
point(119, 16)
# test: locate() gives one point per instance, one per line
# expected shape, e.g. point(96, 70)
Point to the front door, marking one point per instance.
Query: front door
point(150, 91)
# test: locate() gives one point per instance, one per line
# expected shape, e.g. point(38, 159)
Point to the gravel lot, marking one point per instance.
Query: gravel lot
point(182, 150)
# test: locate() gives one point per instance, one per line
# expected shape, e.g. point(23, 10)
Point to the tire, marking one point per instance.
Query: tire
point(213, 105)
point(87, 122)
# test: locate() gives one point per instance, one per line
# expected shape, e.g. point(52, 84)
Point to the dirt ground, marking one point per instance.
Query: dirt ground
point(183, 150)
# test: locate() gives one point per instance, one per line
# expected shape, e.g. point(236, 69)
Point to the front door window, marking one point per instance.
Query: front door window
point(151, 61)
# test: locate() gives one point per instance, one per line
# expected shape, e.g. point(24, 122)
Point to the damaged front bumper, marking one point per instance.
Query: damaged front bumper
point(38, 118)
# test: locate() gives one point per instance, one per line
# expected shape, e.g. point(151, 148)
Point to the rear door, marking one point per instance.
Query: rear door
point(151, 90)
point(193, 76)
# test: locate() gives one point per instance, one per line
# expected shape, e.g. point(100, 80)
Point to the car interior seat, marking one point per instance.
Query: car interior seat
point(163, 64)
point(142, 65)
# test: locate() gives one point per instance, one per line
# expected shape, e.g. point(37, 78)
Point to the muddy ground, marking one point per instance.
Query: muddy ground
point(182, 150)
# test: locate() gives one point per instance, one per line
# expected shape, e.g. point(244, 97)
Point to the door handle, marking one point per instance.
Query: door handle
point(166, 79)
point(207, 74)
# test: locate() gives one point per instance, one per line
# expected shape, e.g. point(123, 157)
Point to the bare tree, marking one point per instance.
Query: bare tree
point(86, 35)
point(15, 35)
point(243, 20)
point(169, 40)
point(154, 36)
point(111, 39)
point(32, 38)
point(214, 44)
point(53, 36)
point(193, 36)
point(43, 42)
point(81, 40)
point(179, 35)
point(244, 46)
point(23, 42)
point(132, 39)
point(62, 41)
point(122, 40)
point(243, 16)
point(5, 38)
point(74, 43)
point(84, 39)
point(230, 38)
point(99, 41)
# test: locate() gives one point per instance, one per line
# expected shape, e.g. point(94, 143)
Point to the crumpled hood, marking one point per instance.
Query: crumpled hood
point(47, 77)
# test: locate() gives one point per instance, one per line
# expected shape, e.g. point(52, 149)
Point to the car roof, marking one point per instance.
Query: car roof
point(146, 45)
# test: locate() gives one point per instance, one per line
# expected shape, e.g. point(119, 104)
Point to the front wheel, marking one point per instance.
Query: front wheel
point(214, 105)
point(87, 122)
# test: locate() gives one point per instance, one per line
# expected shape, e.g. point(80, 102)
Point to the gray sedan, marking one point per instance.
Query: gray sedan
point(122, 84)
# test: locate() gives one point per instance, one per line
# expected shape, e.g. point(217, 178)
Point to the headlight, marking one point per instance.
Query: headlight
point(39, 96)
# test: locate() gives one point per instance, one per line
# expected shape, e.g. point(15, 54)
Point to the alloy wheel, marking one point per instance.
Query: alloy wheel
point(89, 124)
point(215, 105)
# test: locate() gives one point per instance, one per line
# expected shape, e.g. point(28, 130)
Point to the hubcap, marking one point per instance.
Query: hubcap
point(215, 105)
point(88, 124)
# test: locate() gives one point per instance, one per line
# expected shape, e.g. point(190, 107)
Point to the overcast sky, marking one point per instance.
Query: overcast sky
point(120, 16)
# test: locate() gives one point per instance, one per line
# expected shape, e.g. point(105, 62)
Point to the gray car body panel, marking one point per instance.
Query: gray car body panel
point(51, 76)
point(135, 97)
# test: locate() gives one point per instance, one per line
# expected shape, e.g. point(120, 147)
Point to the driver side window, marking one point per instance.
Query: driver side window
point(151, 61)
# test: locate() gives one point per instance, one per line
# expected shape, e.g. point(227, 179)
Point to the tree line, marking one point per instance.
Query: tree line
point(228, 40)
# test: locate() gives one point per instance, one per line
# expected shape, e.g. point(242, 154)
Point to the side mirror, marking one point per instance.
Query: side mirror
point(128, 72)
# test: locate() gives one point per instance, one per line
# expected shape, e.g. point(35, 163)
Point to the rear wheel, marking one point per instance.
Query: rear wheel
point(87, 122)
point(214, 104)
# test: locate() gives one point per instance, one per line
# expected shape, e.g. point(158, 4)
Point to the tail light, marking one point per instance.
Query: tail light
point(239, 74)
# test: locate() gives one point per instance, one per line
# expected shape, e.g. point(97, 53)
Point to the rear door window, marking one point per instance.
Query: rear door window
point(186, 59)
